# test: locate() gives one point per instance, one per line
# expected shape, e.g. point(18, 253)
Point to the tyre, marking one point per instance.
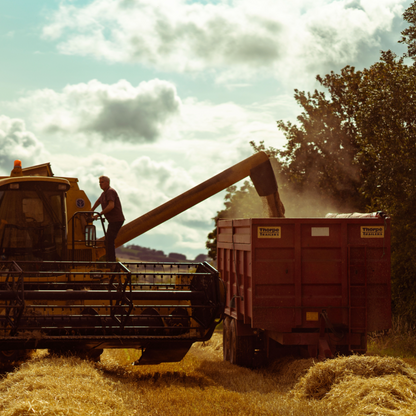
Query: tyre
point(94, 355)
point(150, 321)
point(14, 356)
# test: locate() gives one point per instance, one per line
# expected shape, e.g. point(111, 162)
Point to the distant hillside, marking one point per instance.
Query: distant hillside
point(138, 253)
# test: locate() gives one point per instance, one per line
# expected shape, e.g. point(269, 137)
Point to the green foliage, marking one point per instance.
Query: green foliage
point(409, 34)
point(319, 158)
point(362, 142)
point(380, 104)
point(320, 153)
point(381, 100)
point(404, 268)
point(399, 341)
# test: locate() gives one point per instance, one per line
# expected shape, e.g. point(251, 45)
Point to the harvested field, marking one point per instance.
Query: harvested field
point(202, 384)
point(361, 385)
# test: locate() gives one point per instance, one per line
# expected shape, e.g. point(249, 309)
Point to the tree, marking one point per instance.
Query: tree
point(366, 127)
point(318, 162)
point(358, 146)
point(381, 101)
point(354, 148)
point(409, 34)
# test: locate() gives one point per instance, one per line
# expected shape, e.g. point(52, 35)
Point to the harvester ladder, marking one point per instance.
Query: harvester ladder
point(122, 306)
point(357, 297)
point(14, 282)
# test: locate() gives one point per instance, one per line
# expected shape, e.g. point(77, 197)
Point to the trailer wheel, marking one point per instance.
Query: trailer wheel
point(226, 341)
point(241, 347)
point(92, 355)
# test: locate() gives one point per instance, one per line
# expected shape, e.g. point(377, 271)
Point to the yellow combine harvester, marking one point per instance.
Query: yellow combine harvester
point(58, 292)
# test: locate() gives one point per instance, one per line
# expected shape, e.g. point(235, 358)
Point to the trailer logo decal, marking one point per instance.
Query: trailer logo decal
point(269, 232)
point(372, 232)
point(312, 316)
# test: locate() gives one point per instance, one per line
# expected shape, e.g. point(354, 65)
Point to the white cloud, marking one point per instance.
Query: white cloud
point(234, 38)
point(206, 139)
point(142, 186)
point(18, 143)
point(188, 35)
point(118, 111)
point(231, 126)
point(210, 138)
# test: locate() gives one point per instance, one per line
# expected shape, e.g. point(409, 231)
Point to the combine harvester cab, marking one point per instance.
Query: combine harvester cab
point(58, 292)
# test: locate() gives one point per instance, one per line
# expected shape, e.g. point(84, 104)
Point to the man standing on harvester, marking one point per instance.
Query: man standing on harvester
point(111, 205)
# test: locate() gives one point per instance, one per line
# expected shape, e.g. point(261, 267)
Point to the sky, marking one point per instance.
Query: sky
point(161, 95)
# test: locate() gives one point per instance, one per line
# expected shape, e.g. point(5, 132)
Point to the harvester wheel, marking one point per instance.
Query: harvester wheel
point(179, 319)
point(13, 356)
point(226, 347)
point(150, 320)
point(241, 347)
point(93, 355)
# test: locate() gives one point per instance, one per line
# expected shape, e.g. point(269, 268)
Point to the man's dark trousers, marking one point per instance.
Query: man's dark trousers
point(110, 238)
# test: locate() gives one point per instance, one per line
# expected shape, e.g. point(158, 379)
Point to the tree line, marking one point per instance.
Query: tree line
point(353, 148)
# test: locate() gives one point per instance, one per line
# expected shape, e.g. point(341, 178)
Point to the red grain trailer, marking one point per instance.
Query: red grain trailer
point(320, 284)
